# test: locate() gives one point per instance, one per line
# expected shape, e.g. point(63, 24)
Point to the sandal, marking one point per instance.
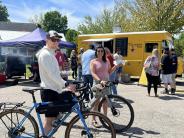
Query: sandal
point(95, 124)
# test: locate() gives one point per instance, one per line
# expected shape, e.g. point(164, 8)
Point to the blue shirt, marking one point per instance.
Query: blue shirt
point(87, 56)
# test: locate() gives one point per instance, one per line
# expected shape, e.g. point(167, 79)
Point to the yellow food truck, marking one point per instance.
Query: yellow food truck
point(134, 46)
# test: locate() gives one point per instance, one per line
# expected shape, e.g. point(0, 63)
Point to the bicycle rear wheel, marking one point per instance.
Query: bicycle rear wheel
point(10, 119)
point(75, 129)
point(121, 112)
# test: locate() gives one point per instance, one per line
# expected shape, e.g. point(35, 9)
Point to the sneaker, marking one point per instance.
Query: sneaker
point(173, 91)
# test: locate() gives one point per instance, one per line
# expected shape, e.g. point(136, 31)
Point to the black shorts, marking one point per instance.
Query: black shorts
point(48, 95)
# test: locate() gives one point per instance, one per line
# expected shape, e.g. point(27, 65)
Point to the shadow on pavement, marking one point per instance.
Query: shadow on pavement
point(179, 95)
point(180, 83)
point(9, 83)
point(173, 97)
point(28, 83)
point(3, 86)
point(18, 81)
point(135, 132)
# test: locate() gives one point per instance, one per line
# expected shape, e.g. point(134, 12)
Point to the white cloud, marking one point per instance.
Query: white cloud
point(73, 21)
point(74, 10)
point(30, 12)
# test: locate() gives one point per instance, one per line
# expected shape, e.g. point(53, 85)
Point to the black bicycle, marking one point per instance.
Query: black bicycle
point(120, 111)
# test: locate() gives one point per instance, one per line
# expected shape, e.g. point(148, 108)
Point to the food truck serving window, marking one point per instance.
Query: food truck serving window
point(150, 46)
point(122, 46)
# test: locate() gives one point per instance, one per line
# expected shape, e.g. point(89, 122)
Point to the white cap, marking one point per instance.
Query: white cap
point(53, 33)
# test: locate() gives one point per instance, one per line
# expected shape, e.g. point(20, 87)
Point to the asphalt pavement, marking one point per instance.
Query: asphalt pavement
point(155, 117)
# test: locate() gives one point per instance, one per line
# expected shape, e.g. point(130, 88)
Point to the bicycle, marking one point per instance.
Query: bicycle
point(121, 112)
point(19, 123)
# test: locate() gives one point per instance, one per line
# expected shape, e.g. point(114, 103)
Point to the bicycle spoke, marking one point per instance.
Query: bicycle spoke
point(120, 112)
point(77, 128)
point(12, 120)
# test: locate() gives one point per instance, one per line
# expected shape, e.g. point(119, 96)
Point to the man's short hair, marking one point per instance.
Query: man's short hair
point(53, 34)
point(92, 46)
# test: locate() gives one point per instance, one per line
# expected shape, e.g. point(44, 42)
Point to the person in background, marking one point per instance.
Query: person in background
point(73, 58)
point(87, 56)
point(166, 71)
point(174, 69)
point(51, 81)
point(101, 69)
point(63, 63)
point(152, 65)
point(113, 74)
point(80, 64)
point(118, 59)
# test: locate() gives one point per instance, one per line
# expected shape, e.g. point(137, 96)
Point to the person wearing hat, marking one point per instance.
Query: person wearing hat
point(166, 70)
point(51, 81)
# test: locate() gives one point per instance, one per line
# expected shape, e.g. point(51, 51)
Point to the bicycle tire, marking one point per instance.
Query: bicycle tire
point(86, 116)
point(8, 114)
point(123, 102)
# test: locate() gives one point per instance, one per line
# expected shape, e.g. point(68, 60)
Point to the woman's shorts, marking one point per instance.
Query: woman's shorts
point(119, 70)
point(167, 78)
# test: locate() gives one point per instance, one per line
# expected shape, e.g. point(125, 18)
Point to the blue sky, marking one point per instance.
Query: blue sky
point(75, 10)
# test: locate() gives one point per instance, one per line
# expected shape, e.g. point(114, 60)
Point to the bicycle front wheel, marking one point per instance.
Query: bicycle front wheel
point(11, 119)
point(119, 111)
point(76, 129)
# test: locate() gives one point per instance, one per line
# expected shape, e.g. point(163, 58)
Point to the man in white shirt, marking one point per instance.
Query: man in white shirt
point(50, 76)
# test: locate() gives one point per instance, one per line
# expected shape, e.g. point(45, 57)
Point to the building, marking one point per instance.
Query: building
point(12, 30)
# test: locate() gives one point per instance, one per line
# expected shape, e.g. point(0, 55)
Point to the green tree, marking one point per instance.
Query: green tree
point(154, 15)
point(3, 13)
point(71, 35)
point(179, 45)
point(103, 23)
point(53, 20)
point(37, 19)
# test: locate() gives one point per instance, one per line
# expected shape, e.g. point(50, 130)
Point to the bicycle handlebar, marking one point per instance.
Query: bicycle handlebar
point(75, 82)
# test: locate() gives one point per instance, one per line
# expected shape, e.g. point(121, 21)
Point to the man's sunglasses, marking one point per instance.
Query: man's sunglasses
point(54, 40)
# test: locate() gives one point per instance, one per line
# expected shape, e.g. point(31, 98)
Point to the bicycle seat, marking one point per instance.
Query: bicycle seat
point(31, 90)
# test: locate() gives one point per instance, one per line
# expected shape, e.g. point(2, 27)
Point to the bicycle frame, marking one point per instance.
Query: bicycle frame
point(100, 97)
point(75, 108)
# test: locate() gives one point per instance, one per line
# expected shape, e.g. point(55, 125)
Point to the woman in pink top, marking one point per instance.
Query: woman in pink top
point(100, 69)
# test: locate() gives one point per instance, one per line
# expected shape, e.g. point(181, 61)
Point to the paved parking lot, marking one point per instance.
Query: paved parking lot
point(161, 117)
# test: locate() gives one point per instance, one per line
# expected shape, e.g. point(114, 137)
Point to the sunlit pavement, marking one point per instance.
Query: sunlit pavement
point(161, 117)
